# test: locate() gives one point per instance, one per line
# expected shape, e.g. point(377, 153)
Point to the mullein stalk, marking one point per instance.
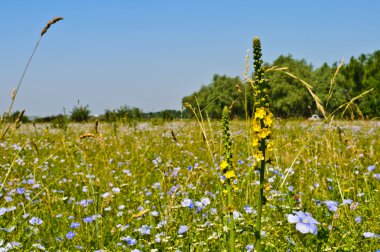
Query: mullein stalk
point(227, 169)
point(262, 123)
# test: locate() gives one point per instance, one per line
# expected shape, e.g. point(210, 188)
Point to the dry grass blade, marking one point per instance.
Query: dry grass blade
point(309, 88)
point(333, 81)
point(173, 136)
point(51, 22)
point(141, 213)
point(348, 104)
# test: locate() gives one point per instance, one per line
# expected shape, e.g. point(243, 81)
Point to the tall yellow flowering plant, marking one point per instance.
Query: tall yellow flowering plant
point(229, 174)
point(262, 124)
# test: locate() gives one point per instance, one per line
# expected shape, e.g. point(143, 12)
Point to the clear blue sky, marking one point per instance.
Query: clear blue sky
point(150, 54)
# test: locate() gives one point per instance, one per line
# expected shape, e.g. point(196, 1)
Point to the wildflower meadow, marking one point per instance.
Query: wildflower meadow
point(255, 184)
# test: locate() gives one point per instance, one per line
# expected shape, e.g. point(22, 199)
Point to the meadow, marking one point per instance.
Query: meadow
point(260, 184)
point(157, 187)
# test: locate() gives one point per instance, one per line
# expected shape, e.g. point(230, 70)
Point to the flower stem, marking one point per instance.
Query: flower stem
point(260, 198)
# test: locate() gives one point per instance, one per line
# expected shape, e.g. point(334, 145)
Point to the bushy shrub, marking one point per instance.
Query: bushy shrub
point(80, 113)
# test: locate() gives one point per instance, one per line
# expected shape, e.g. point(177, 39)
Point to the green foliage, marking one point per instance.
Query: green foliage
point(222, 91)
point(289, 98)
point(122, 114)
point(60, 121)
point(362, 74)
point(15, 116)
point(115, 175)
point(80, 113)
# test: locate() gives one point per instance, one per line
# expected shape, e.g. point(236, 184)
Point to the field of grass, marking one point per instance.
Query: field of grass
point(147, 187)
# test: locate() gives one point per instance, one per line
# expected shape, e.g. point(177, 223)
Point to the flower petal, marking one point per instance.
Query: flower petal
point(301, 214)
point(313, 229)
point(303, 228)
point(293, 218)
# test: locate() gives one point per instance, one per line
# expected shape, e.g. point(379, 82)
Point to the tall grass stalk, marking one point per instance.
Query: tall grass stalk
point(4, 131)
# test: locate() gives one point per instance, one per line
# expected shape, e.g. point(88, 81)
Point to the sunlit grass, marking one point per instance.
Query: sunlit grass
point(136, 188)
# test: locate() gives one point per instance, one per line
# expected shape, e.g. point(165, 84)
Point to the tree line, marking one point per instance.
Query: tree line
point(288, 96)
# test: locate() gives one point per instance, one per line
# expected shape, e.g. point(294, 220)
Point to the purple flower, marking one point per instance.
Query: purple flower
point(183, 229)
point(74, 225)
point(332, 205)
point(188, 203)
point(88, 219)
point(347, 202)
point(305, 223)
point(249, 209)
point(358, 219)
point(370, 235)
point(371, 168)
point(20, 190)
point(130, 241)
point(154, 213)
point(205, 201)
point(70, 235)
point(3, 210)
point(35, 221)
point(249, 247)
point(145, 229)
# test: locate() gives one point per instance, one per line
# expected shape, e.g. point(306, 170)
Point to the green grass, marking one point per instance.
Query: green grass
point(133, 179)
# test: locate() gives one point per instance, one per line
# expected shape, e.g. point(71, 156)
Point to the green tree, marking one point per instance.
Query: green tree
point(80, 113)
point(222, 91)
point(288, 97)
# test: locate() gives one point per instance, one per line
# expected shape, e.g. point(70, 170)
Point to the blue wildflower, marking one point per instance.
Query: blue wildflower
point(35, 221)
point(20, 190)
point(347, 202)
point(205, 201)
point(145, 229)
point(183, 229)
point(370, 235)
point(249, 247)
point(305, 223)
point(332, 205)
point(70, 235)
point(88, 219)
point(371, 168)
point(129, 240)
point(74, 225)
point(154, 213)
point(188, 203)
point(358, 219)
point(3, 210)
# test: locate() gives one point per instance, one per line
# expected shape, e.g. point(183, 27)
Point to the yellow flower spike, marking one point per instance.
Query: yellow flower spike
point(256, 126)
point(235, 188)
point(259, 156)
point(223, 165)
point(260, 113)
point(230, 174)
point(264, 133)
point(268, 120)
point(255, 142)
